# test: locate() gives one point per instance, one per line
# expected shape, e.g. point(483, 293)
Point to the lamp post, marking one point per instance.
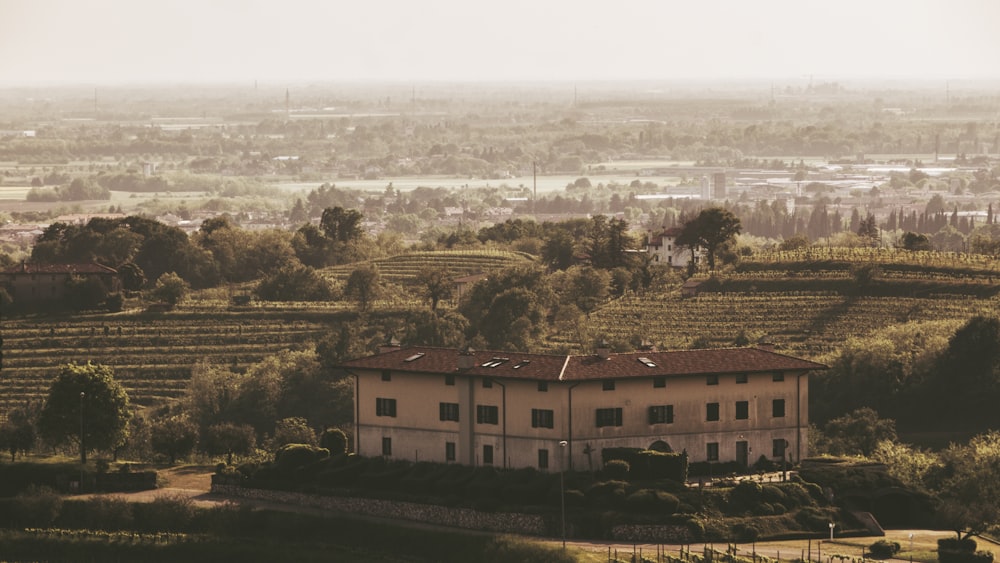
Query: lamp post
point(911, 542)
point(83, 450)
point(562, 488)
point(832, 526)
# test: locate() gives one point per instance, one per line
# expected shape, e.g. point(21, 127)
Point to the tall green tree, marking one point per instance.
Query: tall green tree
point(711, 229)
point(435, 284)
point(174, 437)
point(85, 406)
point(364, 285)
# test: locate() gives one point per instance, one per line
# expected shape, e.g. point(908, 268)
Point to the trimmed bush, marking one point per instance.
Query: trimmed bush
point(292, 456)
point(617, 469)
point(884, 549)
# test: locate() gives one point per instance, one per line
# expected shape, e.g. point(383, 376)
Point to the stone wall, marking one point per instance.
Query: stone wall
point(502, 522)
point(652, 533)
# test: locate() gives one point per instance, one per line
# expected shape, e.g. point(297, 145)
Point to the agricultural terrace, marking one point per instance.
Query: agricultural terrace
point(403, 269)
point(152, 353)
point(810, 301)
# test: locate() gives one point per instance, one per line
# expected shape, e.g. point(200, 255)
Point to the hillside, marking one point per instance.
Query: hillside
point(808, 302)
point(152, 353)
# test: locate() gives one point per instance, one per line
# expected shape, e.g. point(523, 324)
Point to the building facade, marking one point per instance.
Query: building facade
point(663, 249)
point(510, 409)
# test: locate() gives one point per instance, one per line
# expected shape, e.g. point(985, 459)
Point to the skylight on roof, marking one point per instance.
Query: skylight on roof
point(647, 362)
point(494, 362)
point(414, 357)
point(521, 364)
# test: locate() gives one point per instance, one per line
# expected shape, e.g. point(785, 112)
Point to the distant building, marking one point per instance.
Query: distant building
point(719, 185)
point(663, 249)
point(549, 411)
point(463, 283)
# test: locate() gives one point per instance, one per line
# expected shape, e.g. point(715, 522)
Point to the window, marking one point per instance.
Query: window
point(542, 418)
point(543, 386)
point(741, 378)
point(712, 380)
point(778, 446)
point(449, 411)
point(712, 411)
point(449, 451)
point(778, 408)
point(712, 451)
point(778, 376)
point(487, 414)
point(659, 382)
point(742, 410)
point(647, 362)
point(386, 446)
point(608, 385)
point(414, 357)
point(449, 379)
point(488, 455)
point(543, 459)
point(661, 414)
point(487, 383)
point(609, 417)
point(386, 375)
point(385, 407)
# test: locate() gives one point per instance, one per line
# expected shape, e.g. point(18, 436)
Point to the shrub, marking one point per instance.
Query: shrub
point(292, 456)
point(616, 469)
point(167, 513)
point(37, 507)
point(649, 500)
point(815, 519)
point(745, 532)
point(884, 549)
point(109, 513)
point(335, 440)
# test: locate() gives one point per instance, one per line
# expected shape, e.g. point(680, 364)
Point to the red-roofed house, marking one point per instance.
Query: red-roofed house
point(46, 283)
point(512, 409)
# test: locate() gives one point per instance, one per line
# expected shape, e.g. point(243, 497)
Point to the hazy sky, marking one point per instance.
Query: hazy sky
point(99, 41)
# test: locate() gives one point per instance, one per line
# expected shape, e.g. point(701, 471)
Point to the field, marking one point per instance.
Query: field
point(806, 303)
point(152, 353)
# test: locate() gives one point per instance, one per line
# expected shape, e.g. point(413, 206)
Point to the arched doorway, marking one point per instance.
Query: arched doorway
point(660, 446)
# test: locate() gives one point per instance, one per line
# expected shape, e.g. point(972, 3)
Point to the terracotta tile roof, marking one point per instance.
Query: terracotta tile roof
point(551, 367)
point(83, 268)
point(671, 233)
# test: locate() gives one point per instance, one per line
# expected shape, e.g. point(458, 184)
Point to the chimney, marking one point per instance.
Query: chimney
point(466, 358)
point(603, 350)
point(390, 345)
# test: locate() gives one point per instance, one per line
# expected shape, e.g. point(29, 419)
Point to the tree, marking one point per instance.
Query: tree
point(868, 229)
point(557, 251)
point(915, 241)
point(174, 437)
point(87, 406)
point(341, 225)
point(170, 288)
point(229, 439)
point(586, 287)
point(711, 229)
point(970, 485)
point(292, 430)
point(17, 434)
point(294, 282)
point(132, 276)
point(364, 286)
point(435, 284)
point(858, 432)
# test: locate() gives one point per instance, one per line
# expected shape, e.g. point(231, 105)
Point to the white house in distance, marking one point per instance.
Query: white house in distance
point(513, 409)
point(663, 249)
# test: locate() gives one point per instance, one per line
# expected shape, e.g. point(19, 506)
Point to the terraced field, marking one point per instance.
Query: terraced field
point(152, 355)
point(403, 269)
point(800, 323)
